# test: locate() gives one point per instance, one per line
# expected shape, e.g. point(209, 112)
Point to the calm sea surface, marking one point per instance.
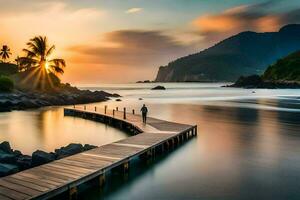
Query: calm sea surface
point(248, 144)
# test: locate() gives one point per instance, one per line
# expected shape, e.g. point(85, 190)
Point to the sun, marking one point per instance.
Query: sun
point(47, 67)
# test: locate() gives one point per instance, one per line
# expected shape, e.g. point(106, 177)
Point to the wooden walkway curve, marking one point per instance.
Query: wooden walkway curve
point(48, 180)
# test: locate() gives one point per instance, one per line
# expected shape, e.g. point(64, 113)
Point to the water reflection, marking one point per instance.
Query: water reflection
point(47, 129)
point(240, 153)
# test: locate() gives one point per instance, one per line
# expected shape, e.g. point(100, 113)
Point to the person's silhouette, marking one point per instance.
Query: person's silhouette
point(144, 111)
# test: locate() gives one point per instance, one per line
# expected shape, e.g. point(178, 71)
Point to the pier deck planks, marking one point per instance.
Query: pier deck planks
point(48, 180)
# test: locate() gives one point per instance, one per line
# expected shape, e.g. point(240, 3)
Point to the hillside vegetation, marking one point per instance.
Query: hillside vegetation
point(286, 69)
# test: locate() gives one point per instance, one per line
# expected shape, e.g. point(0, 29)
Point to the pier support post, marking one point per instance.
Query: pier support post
point(133, 111)
point(124, 116)
point(117, 108)
point(73, 193)
point(105, 108)
point(102, 180)
point(95, 109)
point(113, 112)
point(84, 107)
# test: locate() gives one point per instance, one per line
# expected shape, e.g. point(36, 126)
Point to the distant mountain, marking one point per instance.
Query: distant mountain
point(243, 54)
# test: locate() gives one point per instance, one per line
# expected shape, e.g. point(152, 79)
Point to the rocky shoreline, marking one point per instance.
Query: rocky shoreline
point(256, 82)
point(25, 100)
point(13, 161)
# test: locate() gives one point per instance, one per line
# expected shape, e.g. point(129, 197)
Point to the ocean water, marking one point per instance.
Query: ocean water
point(248, 143)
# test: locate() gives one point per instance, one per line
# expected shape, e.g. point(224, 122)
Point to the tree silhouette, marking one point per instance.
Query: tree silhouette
point(38, 55)
point(5, 52)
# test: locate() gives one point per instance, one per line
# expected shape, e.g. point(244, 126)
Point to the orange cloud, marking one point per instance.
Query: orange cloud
point(216, 23)
point(268, 23)
point(255, 17)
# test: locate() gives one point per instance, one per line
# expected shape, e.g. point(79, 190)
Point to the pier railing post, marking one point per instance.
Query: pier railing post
point(124, 116)
point(105, 108)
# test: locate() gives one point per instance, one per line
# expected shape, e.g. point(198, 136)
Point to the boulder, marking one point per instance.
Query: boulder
point(7, 157)
point(24, 162)
point(87, 147)
point(5, 146)
point(40, 157)
point(17, 153)
point(6, 169)
point(71, 149)
point(159, 87)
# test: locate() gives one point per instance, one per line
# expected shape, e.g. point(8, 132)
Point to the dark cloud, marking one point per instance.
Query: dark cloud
point(131, 48)
point(256, 17)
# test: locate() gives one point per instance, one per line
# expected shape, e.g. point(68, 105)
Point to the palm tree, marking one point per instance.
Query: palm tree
point(38, 56)
point(5, 52)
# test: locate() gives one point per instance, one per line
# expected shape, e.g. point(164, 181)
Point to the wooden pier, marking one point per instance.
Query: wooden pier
point(64, 175)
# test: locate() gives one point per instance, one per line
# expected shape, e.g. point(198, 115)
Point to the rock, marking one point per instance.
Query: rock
point(5, 146)
point(6, 169)
point(17, 153)
point(40, 157)
point(71, 149)
point(159, 87)
point(87, 147)
point(140, 99)
point(7, 158)
point(118, 99)
point(24, 162)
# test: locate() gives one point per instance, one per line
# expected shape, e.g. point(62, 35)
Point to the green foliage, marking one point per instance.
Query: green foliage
point(286, 69)
point(8, 69)
point(6, 84)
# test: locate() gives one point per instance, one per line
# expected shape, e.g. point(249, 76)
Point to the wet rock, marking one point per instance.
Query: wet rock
point(71, 149)
point(6, 169)
point(5, 146)
point(159, 87)
point(40, 157)
point(7, 157)
point(17, 153)
point(87, 147)
point(24, 162)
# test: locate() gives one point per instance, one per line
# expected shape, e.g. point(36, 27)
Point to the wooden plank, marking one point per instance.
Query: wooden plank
point(19, 188)
point(58, 174)
point(105, 158)
point(42, 178)
point(39, 181)
point(2, 197)
point(66, 172)
point(26, 184)
point(71, 168)
point(13, 194)
point(79, 164)
point(91, 160)
point(48, 176)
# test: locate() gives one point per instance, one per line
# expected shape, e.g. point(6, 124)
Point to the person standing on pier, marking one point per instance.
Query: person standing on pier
point(144, 111)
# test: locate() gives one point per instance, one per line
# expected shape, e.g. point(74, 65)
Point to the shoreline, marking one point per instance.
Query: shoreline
point(18, 100)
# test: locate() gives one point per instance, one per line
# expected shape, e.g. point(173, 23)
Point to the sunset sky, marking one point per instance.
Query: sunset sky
point(107, 41)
